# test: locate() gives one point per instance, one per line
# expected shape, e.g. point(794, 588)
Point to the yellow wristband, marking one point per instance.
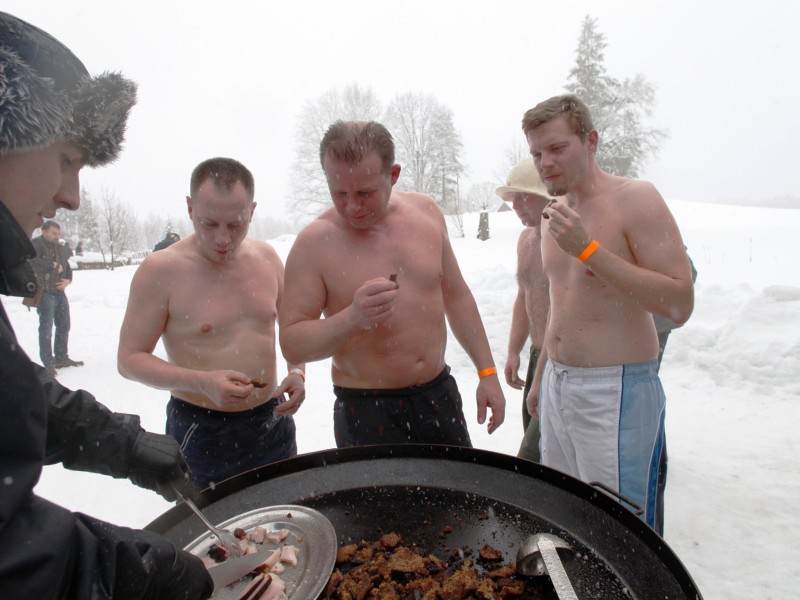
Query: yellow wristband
point(588, 251)
point(486, 372)
point(298, 372)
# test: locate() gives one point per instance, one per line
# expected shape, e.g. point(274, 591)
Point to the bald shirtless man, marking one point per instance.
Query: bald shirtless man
point(379, 266)
point(613, 254)
point(213, 299)
point(528, 196)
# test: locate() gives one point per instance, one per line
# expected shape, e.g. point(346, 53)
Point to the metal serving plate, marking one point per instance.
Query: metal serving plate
point(309, 530)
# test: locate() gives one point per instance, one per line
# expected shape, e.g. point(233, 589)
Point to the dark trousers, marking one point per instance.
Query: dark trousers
point(430, 413)
point(53, 309)
point(662, 465)
point(218, 445)
point(529, 448)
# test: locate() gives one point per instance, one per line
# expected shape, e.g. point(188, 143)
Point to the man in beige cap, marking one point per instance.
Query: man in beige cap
point(528, 196)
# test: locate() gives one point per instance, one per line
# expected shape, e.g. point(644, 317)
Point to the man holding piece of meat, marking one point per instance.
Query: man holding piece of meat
point(212, 298)
point(379, 266)
point(613, 255)
point(55, 119)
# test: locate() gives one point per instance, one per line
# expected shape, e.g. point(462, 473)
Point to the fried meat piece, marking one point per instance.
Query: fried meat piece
point(333, 583)
point(510, 588)
point(390, 541)
point(404, 561)
point(461, 583)
point(346, 553)
point(502, 572)
point(490, 553)
point(356, 585)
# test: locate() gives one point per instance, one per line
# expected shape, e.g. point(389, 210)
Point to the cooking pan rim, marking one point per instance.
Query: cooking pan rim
point(430, 453)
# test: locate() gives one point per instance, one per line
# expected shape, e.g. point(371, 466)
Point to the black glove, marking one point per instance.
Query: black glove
point(157, 464)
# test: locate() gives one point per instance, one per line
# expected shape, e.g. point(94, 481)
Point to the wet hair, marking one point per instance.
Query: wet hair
point(49, 225)
point(225, 173)
point(352, 141)
point(570, 106)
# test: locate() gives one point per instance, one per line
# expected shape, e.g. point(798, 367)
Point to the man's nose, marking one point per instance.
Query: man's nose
point(69, 194)
point(545, 160)
point(222, 237)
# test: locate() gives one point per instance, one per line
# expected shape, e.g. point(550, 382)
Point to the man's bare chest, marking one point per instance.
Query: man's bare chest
point(220, 304)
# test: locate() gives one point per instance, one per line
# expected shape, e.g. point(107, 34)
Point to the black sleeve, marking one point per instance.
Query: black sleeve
point(41, 263)
point(84, 435)
point(50, 552)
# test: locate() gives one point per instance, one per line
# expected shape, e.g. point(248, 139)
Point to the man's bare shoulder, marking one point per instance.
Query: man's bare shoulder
point(260, 249)
point(415, 200)
point(625, 189)
point(169, 259)
point(327, 224)
point(416, 205)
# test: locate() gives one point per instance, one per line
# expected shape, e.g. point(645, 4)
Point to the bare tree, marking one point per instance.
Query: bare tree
point(117, 227)
point(515, 151)
point(427, 144)
point(619, 109)
point(482, 196)
point(308, 188)
point(88, 222)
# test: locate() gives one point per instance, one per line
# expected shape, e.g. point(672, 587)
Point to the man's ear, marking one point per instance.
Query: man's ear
point(395, 173)
point(593, 138)
point(252, 209)
point(189, 205)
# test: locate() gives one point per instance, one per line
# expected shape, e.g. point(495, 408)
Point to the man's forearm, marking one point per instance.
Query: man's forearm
point(467, 327)
point(520, 327)
point(657, 293)
point(158, 373)
point(315, 339)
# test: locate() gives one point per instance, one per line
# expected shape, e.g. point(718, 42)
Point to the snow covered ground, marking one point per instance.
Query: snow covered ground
point(731, 377)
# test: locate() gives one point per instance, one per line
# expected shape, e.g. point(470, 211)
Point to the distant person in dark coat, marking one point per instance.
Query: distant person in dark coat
point(168, 240)
point(56, 119)
point(53, 275)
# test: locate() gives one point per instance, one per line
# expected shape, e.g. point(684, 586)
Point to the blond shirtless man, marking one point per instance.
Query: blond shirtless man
point(613, 255)
point(528, 196)
point(213, 299)
point(379, 266)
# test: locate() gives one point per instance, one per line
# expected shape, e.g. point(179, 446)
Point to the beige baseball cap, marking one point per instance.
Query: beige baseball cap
point(522, 179)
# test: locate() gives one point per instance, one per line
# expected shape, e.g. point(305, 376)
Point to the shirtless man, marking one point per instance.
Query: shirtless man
point(379, 266)
point(613, 254)
point(213, 299)
point(526, 193)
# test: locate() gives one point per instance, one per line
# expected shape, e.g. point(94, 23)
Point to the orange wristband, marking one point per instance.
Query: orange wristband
point(588, 251)
point(486, 372)
point(298, 372)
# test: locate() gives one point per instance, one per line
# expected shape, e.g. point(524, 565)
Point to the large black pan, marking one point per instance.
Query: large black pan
point(485, 497)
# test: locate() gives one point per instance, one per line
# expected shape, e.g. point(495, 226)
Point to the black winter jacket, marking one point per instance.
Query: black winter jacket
point(46, 551)
point(47, 254)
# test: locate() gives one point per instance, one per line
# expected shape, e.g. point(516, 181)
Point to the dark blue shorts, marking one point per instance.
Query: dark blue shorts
point(430, 413)
point(218, 445)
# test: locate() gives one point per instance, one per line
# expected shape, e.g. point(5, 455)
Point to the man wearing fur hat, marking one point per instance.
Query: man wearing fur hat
point(54, 119)
point(528, 196)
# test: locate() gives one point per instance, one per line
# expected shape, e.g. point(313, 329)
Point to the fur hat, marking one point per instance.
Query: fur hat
point(522, 179)
point(46, 94)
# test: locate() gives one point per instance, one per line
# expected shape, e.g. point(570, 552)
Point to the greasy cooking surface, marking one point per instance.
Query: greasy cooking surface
point(445, 521)
point(309, 531)
point(406, 478)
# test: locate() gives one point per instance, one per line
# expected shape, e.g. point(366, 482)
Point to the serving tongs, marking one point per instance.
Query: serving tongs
point(226, 538)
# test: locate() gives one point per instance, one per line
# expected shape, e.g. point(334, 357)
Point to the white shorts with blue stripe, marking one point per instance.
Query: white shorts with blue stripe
point(605, 424)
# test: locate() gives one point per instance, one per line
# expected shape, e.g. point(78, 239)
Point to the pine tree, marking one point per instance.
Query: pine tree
point(619, 109)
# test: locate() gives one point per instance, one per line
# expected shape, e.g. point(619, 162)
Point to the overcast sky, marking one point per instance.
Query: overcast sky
point(230, 79)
